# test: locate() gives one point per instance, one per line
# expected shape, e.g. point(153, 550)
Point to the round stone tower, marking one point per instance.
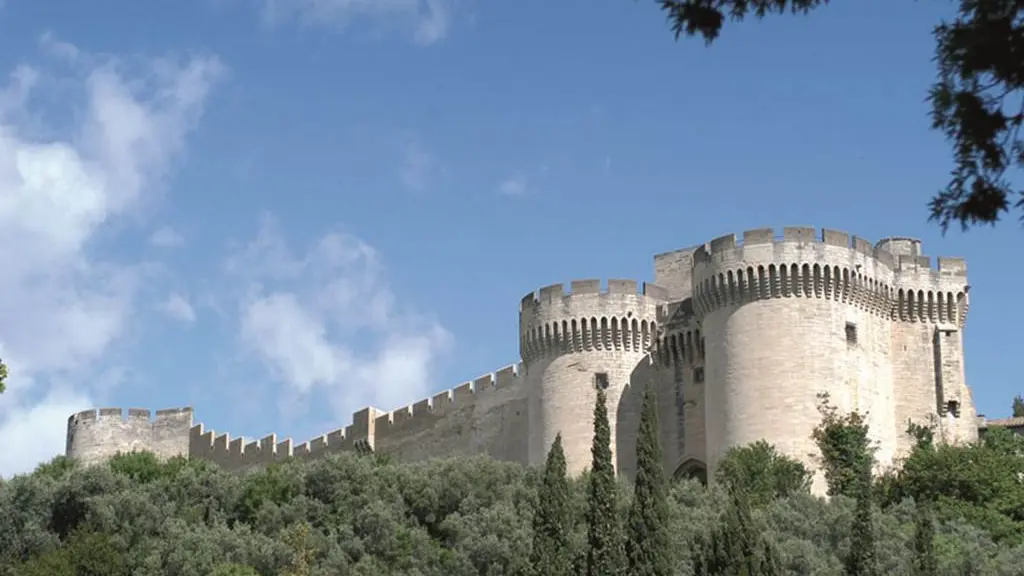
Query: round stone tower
point(95, 436)
point(785, 320)
point(573, 343)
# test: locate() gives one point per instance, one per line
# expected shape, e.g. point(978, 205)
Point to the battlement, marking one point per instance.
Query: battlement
point(621, 316)
point(170, 415)
point(236, 453)
point(591, 287)
point(425, 413)
point(895, 253)
point(828, 263)
point(791, 235)
point(917, 271)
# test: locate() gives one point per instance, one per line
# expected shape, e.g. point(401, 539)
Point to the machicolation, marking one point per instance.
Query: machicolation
point(737, 336)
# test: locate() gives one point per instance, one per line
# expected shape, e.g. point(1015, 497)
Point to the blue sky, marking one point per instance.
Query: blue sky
point(279, 212)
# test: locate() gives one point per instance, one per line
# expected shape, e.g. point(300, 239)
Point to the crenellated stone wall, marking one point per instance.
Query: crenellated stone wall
point(737, 337)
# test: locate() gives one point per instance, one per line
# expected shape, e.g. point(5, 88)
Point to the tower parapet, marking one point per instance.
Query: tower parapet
point(925, 293)
point(801, 263)
point(623, 316)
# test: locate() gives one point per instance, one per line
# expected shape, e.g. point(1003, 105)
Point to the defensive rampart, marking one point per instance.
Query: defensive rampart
point(474, 418)
point(488, 415)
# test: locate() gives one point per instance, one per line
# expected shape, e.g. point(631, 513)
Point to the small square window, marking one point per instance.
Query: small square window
point(601, 380)
point(851, 333)
point(698, 374)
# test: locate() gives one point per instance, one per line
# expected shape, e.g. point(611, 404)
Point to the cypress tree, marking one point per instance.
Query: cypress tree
point(735, 547)
point(605, 551)
point(925, 563)
point(648, 547)
point(861, 561)
point(552, 522)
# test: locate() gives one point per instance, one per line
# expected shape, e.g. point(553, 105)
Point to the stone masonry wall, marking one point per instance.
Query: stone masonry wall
point(94, 436)
point(486, 416)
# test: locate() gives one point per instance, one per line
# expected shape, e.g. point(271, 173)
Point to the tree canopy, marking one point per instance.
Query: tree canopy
point(976, 100)
point(954, 509)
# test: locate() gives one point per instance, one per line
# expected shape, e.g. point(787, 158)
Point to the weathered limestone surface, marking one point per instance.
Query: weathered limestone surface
point(737, 337)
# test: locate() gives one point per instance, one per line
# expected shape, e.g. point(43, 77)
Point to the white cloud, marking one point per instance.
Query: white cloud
point(514, 186)
point(36, 432)
point(327, 322)
point(63, 304)
point(178, 307)
point(166, 237)
point(427, 19)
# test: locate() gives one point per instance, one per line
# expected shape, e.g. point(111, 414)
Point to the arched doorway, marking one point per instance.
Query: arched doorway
point(692, 468)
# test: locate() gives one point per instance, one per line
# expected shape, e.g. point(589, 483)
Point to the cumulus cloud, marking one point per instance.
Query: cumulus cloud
point(327, 322)
point(63, 304)
point(35, 433)
point(178, 307)
point(428, 19)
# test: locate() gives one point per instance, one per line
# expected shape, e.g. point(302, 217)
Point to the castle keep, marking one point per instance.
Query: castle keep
point(737, 336)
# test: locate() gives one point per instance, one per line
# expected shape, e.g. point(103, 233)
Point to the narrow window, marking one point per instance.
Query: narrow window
point(601, 380)
point(698, 374)
point(851, 333)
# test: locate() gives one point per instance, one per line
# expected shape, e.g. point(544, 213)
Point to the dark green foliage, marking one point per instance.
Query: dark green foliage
point(925, 562)
point(693, 17)
point(56, 469)
point(234, 570)
point(976, 98)
point(846, 450)
point(141, 467)
point(862, 559)
point(3, 376)
point(553, 520)
point(1018, 406)
point(85, 553)
point(976, 482)
point(274, 486)
point(735, 546)
point(762, 473)
point(349, 514)
point(605, 547)
point(648, 545)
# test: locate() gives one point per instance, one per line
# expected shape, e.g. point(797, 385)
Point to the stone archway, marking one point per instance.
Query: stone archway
point(692, 468)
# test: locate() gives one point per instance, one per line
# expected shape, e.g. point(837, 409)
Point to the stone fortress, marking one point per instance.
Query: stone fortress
point(737, 336)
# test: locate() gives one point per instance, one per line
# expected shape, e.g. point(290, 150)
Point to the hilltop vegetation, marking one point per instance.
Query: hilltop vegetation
point(366, 515)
